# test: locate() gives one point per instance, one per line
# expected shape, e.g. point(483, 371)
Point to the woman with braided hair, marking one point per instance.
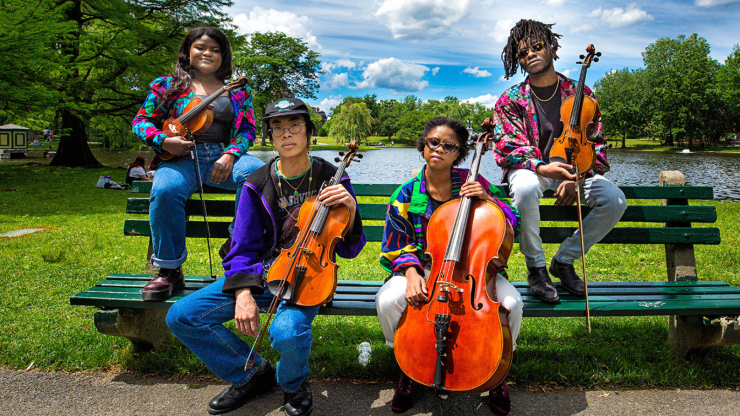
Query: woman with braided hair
point(528, 116)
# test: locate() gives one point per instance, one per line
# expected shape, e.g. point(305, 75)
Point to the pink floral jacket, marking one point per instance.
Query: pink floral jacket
point(516, 118)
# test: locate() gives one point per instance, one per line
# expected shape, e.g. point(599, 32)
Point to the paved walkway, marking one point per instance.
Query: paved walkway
point(37, 393)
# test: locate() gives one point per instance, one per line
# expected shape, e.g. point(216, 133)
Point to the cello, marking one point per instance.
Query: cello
point(459, 340)
point(305, 274)
point(573, 147)
point(197, 116)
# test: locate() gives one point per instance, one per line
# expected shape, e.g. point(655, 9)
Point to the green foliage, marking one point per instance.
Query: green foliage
point(411, 126)
point(621, 96)
point(353, 122)
point(316, 119)
point(728, 87)
point(680, 77)
point(277, 64)
point(322, 132)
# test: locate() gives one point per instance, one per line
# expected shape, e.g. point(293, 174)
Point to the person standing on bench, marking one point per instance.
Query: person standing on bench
point(202, 67)
point(528, 116)
point(265, 223)
point(444, 144)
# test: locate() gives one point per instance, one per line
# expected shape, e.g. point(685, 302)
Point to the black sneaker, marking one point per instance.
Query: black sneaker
point(233, 398)
point(299, 403)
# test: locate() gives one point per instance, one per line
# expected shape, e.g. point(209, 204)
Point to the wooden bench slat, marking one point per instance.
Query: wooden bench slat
point(550, 235)
point(377, 283)
point(377, 211)
point(531, 309)
point(630, 192)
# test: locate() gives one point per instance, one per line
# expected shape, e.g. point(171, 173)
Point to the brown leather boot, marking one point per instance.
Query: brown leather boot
point(160, 288)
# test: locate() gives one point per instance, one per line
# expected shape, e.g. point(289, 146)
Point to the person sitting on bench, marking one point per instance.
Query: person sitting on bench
point(265, 223)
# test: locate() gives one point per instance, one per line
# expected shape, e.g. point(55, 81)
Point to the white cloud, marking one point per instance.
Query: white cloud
point(338, 80)
point(421, 19)
point(271, 20)
point(619, 17)
point(487, 100)
point(501, 31)
point(712, 3)
point(393, 74)
point(345, 63)
point(555, 2)
point(327, 66)
point(570, 71)
point(478, 73)
point(328, 103)
point(435, 70)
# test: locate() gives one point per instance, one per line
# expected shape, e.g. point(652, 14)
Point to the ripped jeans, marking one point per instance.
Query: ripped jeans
point(197, 320)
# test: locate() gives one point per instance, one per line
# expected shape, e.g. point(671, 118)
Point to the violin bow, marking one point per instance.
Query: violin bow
point(583, 250)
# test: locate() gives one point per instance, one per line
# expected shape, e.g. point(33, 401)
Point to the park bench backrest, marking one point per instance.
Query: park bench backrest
point(667, 224)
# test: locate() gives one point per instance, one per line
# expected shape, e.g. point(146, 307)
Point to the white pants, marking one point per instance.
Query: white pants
point(391, 302)
point(607, 204)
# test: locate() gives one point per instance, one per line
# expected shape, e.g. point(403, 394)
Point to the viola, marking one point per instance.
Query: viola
point(573, 146)
point(460, 339)
point(305, 274)
point(197, 116)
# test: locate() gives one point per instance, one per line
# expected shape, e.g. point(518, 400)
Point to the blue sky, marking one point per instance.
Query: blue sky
point(436, 48)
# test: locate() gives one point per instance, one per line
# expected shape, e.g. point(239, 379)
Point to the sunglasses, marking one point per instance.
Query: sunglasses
point(535, 48)
point(447, 147)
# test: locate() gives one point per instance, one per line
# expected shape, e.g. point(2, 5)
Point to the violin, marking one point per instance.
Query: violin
point(197, 116)
point(459, 340)
point(573, 146)
point(305, 274)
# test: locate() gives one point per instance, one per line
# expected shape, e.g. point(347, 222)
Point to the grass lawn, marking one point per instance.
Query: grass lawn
point(84, 243)
point(655, 145)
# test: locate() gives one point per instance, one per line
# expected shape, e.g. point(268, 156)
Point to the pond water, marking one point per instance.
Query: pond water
point(392, 165)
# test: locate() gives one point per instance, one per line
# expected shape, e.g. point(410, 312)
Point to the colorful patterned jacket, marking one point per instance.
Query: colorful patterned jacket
point(147, 123)
point(516, 118)
point(404, 244)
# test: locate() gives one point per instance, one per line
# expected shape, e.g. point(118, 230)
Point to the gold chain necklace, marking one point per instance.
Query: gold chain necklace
point(281, 177)
point(557, 87)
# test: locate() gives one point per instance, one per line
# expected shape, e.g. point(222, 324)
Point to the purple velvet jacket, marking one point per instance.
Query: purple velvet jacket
point(256, 238)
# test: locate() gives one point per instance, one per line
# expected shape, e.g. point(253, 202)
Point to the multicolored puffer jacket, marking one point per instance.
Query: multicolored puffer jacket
point(516, 118)
point(409, 210)
point(147, 123)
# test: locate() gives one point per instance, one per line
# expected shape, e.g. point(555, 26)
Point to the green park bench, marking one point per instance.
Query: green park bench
point(697, 309)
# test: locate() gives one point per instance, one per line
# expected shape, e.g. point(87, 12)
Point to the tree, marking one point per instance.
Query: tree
point(680, 76)
point(411, 126)
point(728, 86)
point(353, 122)
point(112, 52)
point(29, 81)
point(621, 102)
point(277, 66)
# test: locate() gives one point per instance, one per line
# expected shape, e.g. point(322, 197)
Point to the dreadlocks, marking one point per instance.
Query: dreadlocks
point(530, 31)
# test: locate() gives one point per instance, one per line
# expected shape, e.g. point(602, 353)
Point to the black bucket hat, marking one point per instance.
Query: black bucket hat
point(285, 107)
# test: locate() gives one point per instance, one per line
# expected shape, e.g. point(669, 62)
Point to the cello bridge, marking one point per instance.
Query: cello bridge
point(446, 286)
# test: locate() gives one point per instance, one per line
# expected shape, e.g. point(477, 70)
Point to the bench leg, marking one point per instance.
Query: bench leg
point(150, 269)
point(145, 328)
point(691, 336)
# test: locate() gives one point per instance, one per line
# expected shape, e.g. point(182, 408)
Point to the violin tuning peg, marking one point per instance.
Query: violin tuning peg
point(341, 153)
point(336, 159)
point(598, 53)
point(596, 59)
point(359, 156)
point(582, 56)
point(579, 63)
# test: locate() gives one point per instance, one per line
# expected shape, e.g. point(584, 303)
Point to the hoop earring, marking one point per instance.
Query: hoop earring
point(421, 160)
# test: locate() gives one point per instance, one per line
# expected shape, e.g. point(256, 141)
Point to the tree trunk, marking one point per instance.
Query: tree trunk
point(624, 139)
point(73, 149)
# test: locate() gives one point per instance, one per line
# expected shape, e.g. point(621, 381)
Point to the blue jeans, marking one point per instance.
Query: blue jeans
point(197, 320)
point(173, 184)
